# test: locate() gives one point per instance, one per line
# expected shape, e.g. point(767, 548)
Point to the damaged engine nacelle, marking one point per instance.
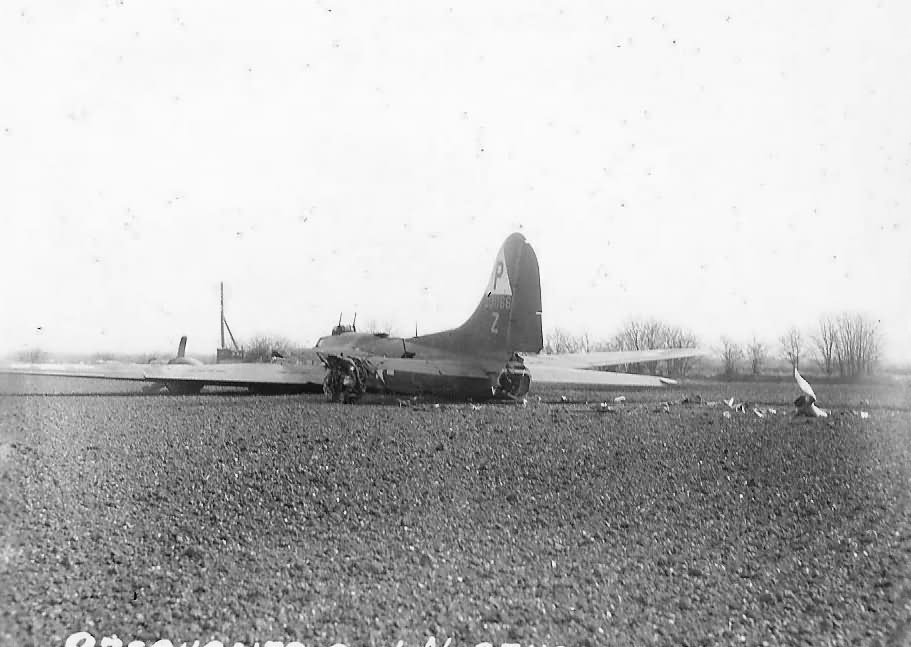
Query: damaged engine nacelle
point(346, 379)
point(513, 381)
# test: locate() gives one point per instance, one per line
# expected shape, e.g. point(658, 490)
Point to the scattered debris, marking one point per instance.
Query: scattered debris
point(759, 414)
point(603, 407)
point(404, 403)
point(620, 398)
point(726, 414)
point(695, 399)
point(564, 399)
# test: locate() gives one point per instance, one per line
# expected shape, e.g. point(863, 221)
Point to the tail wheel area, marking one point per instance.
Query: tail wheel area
point(513, 380)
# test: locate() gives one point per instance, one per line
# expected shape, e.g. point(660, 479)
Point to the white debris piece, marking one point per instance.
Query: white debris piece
point(806, 403)
point(804, 385)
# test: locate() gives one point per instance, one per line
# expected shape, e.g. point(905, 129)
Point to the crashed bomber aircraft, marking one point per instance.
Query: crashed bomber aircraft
point(478, 360)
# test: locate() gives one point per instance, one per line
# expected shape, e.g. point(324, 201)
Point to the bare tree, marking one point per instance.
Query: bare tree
point(792, 345)
point(636, 334)
point(757, 353)
point(264, 348)
point(641, 334)
point(630, 337)
point(677, 337)
point(654, 335)
point(648, 334)
point(386, 327)
point(31, 355)
point(857, 344)
point(825, 341)
point(731, 354)
point(559, 340)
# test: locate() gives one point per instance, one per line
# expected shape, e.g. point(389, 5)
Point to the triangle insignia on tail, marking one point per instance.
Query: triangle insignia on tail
point(499, 277)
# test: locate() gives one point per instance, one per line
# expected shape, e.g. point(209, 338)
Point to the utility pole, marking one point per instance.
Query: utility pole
point(224, 354)
point(222, 286)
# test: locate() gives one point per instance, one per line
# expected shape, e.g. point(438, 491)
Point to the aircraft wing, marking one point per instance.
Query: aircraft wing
point(108, 371)
point(248, 374)
point(245, 375)
point(611, 358)
point(562, 375)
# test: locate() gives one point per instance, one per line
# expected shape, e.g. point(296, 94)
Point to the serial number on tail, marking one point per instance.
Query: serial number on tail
point(498, 301)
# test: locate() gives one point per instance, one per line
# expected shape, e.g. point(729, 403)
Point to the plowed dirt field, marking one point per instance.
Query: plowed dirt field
point(248, 518)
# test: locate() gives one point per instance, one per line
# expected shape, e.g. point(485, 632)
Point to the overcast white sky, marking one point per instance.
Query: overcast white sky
point(733, 167)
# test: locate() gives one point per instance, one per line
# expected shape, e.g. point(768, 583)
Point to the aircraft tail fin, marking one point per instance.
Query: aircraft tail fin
point(508, 317)
point(182, 347)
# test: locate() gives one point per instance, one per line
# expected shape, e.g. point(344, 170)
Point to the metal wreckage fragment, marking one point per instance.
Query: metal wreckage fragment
point(346, 377)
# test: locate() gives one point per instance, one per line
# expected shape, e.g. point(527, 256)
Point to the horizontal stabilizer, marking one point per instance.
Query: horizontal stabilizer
point(611, 358)
point(561, 375)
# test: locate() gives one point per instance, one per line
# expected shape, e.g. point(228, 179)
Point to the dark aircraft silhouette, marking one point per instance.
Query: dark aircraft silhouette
point(481, 359)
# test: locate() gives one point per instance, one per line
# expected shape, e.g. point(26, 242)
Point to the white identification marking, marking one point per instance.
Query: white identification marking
point(499, 278)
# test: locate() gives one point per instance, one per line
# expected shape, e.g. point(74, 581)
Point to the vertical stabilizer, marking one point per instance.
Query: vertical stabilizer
point(182, 347)
point(508, 317)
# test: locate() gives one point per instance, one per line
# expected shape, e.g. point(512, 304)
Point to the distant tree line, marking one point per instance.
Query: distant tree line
point(847, 344)
point(265, 348)
point(30, 355)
